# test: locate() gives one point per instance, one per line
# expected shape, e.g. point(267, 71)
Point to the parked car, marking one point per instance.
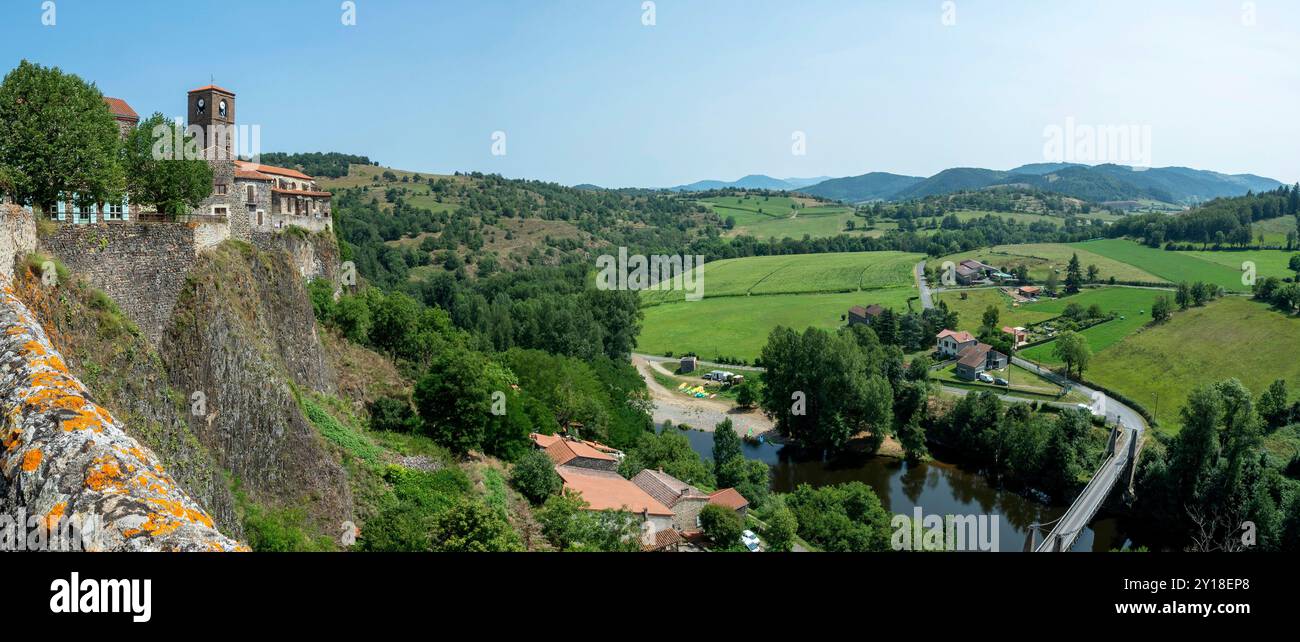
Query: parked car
point(984, 376)
point(750, 540)
point(1001, 382)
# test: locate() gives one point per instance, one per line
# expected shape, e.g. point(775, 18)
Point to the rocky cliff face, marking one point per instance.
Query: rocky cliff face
point(66, 459)
point(241, 346)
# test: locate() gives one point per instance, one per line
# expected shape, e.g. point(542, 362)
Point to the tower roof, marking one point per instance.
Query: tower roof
point(212, 88)
point(120, 109)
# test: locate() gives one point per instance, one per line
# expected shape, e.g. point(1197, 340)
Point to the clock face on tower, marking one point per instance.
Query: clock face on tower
point(221, 108)
point(202, 105)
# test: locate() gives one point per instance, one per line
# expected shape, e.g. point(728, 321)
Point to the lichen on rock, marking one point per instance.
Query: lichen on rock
point(63, 456)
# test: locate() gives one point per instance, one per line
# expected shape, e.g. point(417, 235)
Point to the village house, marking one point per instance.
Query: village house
point(1019, 335)
point(864, 316)
point(979, 358)
point(950, 343)
point(685, 500)
point(567, 451)
point(605, 490)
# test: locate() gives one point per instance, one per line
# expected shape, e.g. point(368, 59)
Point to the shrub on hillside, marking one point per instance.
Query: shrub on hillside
point(534, 477)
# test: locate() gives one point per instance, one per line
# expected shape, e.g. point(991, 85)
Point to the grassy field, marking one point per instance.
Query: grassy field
point(1274, 230)
point(738, 326)
point(779, 216)
point(1044, 258)
point(1174, 267)
point(1267, 262)
point(1231, 337)
point(796, 273)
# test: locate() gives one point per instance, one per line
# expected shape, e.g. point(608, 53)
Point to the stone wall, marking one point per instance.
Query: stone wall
point(315, 255)
point(17, 236)
point(64, 458)
point(142, 267)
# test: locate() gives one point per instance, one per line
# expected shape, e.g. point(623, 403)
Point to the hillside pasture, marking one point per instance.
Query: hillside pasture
point(799, 273)
point(1230, 337)
point(738, 326)
point(1173, 267)
point(1044, 258)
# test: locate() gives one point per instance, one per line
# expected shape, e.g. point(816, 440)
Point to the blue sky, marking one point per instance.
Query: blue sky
point(714, 89)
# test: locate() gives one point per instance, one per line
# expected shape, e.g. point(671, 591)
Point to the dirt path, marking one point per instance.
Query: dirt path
point(702, 414)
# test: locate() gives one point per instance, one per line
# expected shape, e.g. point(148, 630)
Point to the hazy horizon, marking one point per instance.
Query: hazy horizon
point(587, 93)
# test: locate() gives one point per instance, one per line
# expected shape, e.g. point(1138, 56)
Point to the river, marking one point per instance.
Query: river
point(938, 488)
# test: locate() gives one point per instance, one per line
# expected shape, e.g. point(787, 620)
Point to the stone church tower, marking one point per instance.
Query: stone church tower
point(213, 109)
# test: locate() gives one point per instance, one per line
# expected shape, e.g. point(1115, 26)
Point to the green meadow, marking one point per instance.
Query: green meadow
point(799, 273)
point(1231, 337)
point(1223, 270)
point(738, 326)
point(1043, 259)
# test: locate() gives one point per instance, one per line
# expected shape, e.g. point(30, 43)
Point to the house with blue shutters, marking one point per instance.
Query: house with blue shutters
point(69, 211)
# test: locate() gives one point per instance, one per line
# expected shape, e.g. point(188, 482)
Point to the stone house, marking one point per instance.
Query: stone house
point(605, 490)
point(685, 500)
point(566, 451)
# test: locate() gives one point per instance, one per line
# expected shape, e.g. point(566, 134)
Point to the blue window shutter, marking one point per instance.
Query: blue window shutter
point(94, 211)
point(63, 208)
point(126, 207)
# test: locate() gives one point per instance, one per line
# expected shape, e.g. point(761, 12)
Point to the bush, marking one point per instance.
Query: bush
point(722, 525)
point(392, 415)
point(534, 477)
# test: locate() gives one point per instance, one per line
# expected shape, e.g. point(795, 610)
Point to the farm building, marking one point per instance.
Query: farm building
point(1029, 291)
point(864, 316)
point(971, 271)
point(688, 364)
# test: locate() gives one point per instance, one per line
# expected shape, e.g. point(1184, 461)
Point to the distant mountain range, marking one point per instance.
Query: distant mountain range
point(1096, 183)
point(753, 181)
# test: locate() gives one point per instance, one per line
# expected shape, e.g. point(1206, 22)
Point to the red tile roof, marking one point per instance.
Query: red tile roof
point(959, 337)
point(603, 490)
point(214, 88)
point(665, 488)
point(120, 109)
point(271, 169)
point(730, 498)
point(663, 539)
point(544, 441)
point(566, 450)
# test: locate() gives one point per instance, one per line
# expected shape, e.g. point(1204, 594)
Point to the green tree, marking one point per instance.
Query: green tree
point(1294, 265)
point(781, 529)
point(745, 395)
point(750, 477)
point(1094, 273)
point(569, 526)
point(726, 445)
point(167, 179)
point(1073, 275)
point(991, 316)
point(471, 527)
point(455, 399)
point(671, 452)
point(57, 139)
point(722, 526)
point(534, 477)
point(1273, 407)
point(1052, 283)
point(1183, 296)
point(1072, 349)
point(845, 518)
point(1161, 309)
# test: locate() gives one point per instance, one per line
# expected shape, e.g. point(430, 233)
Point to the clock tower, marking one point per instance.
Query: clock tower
point(213, 109)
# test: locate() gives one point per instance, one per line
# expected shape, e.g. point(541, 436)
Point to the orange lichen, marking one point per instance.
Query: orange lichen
point(32, 460)
point(104, 473)
point(33, 348)
point(84, 421)
point(156, 526)
point(52, 518)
